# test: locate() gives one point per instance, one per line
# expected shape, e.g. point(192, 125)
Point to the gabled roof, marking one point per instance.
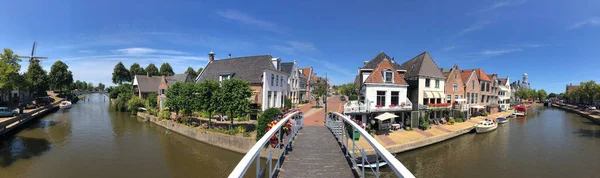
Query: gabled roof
point(148, 84)
point(377, 74)
point(481, 75)
point(502, 81)
point(287, 67)
point(314, 77)
point(357, 81)
point(373, 63)
point(465, 74)
point(446, 74)
point(249, 68)
point(306, 72)
point(422, 65)
point(184, 78)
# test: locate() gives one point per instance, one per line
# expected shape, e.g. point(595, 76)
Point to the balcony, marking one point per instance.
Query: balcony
point(439, 106)
point(359, 107)
point(355, 107)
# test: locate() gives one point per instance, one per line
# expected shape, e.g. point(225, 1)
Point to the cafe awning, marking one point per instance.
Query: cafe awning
point(385, 116)
point(477, 107)
point(433, 94)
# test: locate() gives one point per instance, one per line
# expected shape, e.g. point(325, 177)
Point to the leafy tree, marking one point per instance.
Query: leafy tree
point(234, 98)
point(208, 97)
point(152, 100)
point(135, 69)
point(37, 79)
point(199, 71)
point(90, 86)
point(319, 90)
point(134, 103)
point(9, 70)
point(190, 71)
point(166, 70)
point(541, 94)
point(121, 90)
point(263, 121)
point(152, 70)
point(101, 86)
point(60, 76)
point(175, 97)
point(552, 95)
point(120, 74)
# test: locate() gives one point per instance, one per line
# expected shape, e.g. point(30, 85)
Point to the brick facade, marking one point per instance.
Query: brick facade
point(454, 78)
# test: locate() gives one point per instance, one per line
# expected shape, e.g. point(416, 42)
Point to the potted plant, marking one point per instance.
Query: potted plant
point(378, 106)
point(392, 105)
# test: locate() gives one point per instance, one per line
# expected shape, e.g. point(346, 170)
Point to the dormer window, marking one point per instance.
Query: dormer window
point(388, 76)
point(225, 76)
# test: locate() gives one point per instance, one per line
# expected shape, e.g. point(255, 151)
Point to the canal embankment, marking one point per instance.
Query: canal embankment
point(592, 115)
point(229, 142)
point(403, 141)
point(8, 124)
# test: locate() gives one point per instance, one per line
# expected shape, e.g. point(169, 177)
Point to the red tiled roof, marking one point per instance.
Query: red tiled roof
point(446, 74)
point(465, 74)
point(306, 73)
point(314, 77)
point(503, 81)
point(377, 75)
point(572, 88)
point(481, 75)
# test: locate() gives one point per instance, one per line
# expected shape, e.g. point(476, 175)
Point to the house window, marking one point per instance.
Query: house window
point(455, 75)
point(427, 82)
point(439, 100)
point(437, 83)
point(268, 99)
point(469, 98)
point(272, 79)
point(473, 85)
point(455, 97)
point(482, 98)
point(281, 81)
point(487, 87)
point(454, 87)
point(476, 97)
point(381, 98)
point(425, 101)
point(277, 80)
point(395, 97)
point(449, 99)
point(224, 77)
point(388, 76)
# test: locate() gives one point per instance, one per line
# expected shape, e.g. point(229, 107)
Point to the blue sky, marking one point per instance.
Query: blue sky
point(555, 42)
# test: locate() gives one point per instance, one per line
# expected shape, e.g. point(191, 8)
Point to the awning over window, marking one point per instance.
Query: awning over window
point(433, 94)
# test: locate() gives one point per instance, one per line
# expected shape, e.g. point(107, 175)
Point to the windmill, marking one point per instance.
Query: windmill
point(33, 58)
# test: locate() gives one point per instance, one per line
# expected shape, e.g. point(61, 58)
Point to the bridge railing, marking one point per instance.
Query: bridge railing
point(340, 124)
point(253, 155)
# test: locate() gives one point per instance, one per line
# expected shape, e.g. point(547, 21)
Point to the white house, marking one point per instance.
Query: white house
point(505, 93)
point(382, 89)
point(263, 74)
point(293, 81)
point(426, 84)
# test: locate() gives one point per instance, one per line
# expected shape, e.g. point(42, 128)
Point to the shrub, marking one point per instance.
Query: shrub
point(264, 119)
point(240, 129)
point(246, 134)
point(451, 121)
point(352, 97)
point(423, 124)
point(485, 113)
point(134, 103)
point(152, 100)
point(164, 114)
point(459, 120)
point(287, 102)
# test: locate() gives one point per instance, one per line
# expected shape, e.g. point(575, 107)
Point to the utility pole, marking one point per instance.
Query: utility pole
point(326, 92)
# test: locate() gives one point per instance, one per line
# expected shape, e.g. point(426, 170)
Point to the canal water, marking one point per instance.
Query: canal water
point(90, 140)
point(549, 142)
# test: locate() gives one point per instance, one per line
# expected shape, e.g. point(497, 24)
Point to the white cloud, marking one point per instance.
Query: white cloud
point(292, 47)
point(500, 52)
point(450, 48)
point(249, 20)
point(86, 51)
point(502, 4)
point(475, 27)
point(146, 51)
point(331, 66)
point(591, 21)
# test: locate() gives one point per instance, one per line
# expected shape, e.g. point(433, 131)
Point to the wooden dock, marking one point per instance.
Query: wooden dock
point(316, 153)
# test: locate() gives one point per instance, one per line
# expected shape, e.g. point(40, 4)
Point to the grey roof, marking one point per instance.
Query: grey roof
point(148, 84)
point(302, 81)
point(373, 63)
point(185, 78)
point(422, 65)
point(444, 70)
point(287, 67)
point(249, 68)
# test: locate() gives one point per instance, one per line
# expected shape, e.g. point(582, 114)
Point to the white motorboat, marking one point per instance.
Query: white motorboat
point(65, 105)
point(485, 126)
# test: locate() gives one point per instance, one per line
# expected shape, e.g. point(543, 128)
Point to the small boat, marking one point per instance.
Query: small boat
point(371, 162)
point(501, 120)
point(65, 105)
point(520, 111)
point(485, 126)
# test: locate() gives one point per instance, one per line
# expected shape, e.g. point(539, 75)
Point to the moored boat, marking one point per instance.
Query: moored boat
point(65, 105)
point(520, 110)
point(485, 126)
point(501, 120)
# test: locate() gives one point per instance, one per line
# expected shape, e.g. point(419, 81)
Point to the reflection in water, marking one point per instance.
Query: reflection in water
point(547, 143)
point(90, 140)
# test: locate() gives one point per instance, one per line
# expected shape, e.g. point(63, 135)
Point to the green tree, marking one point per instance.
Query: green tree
point(166, 69)
point(120, 74)
point(135, 69)
point(37, 79)
point(101, 86)
point(199, 71)
point(208, 97)
point(319, 90)
point(175, 96)
point(90, 86)
point(234, 98)
point(60, 76)
point(152, 70)
point(263, 121)
point(121, 90)
point(190, 71)
point(541, 94)
point(9, 70)
point(152, 100)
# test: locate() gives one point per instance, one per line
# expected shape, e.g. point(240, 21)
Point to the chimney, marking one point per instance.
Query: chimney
point(229, 55)
point(211, 56)
point(365, 62)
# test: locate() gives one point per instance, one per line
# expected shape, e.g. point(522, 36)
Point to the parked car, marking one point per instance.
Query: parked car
point(591, 108)
point(42, 101)
point(31, 105)
point(342, 98)
point(5, 112)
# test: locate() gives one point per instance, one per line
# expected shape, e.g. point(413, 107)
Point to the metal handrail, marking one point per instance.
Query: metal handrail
point(254, 153)
point(399, 169)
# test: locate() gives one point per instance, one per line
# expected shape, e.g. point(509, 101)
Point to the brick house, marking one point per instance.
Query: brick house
point(455, 88)
point(493, 94)
point(472, 90)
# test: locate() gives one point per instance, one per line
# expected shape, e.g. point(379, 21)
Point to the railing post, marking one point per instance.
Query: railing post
point(257, 166)
point(377, 165)
point(363, 161)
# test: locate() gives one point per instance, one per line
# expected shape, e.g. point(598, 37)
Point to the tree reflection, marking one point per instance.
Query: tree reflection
point(15, 148)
